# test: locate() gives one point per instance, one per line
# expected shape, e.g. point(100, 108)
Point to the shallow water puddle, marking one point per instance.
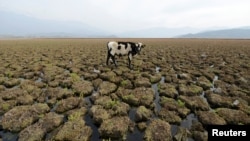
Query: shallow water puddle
point(131, 113)
point(186, 123)
point(89, 121)
point(157, 69)
point(39, 80)
point(136, 134)
point(96, 70)
point(8, 136)
point(162, 79)
point(215, 79)
point(54, 107)
point(157, 98)
point(95, 134)
point(203, 96)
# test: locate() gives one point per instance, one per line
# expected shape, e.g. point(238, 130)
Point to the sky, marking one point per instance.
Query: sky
point(128, 15)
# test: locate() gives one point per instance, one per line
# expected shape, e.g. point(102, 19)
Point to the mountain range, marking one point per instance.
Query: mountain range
point(17, 25)
point(238, 33)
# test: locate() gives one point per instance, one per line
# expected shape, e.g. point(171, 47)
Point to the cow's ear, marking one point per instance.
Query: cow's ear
point(143, 46)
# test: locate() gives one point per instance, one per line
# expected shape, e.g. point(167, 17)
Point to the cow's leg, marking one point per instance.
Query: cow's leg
point(113, 59)
point(129, 60)
point(108, 56)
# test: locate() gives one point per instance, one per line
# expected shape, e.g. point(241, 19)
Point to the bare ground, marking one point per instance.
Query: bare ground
point(61, 89)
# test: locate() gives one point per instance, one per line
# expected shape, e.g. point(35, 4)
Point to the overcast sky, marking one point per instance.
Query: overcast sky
point(125, 15)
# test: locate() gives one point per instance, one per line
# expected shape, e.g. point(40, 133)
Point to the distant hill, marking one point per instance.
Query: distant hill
point(16, 25)
point(158, 32)
point(236, 33)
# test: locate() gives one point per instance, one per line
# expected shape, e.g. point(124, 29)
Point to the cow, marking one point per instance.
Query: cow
point(123, 48)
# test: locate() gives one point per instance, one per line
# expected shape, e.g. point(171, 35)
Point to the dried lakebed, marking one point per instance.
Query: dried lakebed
point(61, 89)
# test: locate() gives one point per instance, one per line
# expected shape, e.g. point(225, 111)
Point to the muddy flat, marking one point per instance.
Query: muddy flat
point(62, 89)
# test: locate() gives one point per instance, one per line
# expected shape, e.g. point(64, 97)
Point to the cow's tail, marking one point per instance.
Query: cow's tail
point(108, 54)
point(107, 45)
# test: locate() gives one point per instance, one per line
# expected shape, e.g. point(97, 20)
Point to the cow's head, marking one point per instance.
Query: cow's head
point(140, 46)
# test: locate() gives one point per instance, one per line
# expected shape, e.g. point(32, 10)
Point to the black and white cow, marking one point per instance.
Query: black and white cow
point(123, 48)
